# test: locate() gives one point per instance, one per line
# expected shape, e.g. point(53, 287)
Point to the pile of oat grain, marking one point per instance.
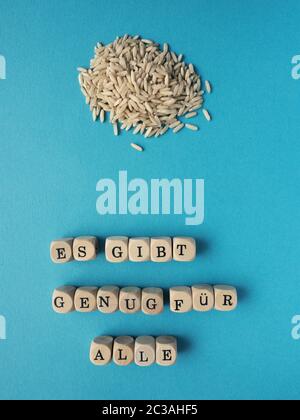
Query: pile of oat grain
point(142, 87)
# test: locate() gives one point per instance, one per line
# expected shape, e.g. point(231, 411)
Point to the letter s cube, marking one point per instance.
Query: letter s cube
point(85, 248)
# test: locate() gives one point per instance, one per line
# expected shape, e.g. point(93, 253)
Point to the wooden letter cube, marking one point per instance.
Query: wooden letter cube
point(184, 249)
point(130, 300)
point(145, 351)
point(116, 249)
point(85, 248)
point(181, 299)
point(139, 249)
point(108, 299)
point(161, 249)
point(166, 351)
point(61, 250)
point(63, 299)
point(101, 350)
point(152, 301)
point(203, 298)
point(86, 299)
point(123, 350)
point(226, 298)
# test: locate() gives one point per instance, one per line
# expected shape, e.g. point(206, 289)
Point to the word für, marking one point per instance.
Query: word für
point(119, 249)
point(144, 351)
point(129, 300)
point(159, 196)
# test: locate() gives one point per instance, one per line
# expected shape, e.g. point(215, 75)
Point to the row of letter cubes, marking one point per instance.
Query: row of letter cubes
point(119, 249)
point(144, 351)
point(129, 300)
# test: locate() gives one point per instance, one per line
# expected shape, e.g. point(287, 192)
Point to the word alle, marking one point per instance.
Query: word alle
point(144, 351)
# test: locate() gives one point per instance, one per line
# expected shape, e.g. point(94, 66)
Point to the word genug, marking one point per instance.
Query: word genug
point(130, 300)
point(160, 196)
point(144, 350)
point(119, 249)
point(2, 68)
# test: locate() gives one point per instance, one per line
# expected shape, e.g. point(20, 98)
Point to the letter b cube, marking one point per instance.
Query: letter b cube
point(161, 249)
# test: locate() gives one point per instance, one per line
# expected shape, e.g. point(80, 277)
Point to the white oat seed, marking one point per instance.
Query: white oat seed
point(191, 115)
point(137, 147)
point(192, 127)
point(137, 129)
point(178, 128)
point(82, 70)
point(116, 129)
point(208, 86)
point(175, 124)
point(102, 116)
point(94, 114)
point(207, 115)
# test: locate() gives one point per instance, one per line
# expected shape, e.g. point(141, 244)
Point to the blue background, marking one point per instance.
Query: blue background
point(52, 156)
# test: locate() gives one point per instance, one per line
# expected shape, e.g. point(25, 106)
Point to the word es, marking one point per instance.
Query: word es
point(2, 68)
point(296, 67)
point(2, 328)
point(119, 249)
point(144, 351)
point(159, 197)
point(296, 328)
point(130, 300)
point(83, 248)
